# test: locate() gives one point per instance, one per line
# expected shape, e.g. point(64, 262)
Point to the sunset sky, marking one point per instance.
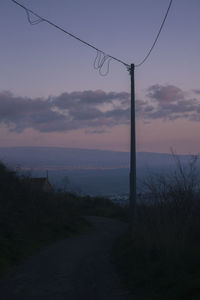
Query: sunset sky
point(51, 95)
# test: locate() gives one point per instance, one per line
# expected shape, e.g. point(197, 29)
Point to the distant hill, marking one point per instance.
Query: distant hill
point(85, 171)
point(63, 158)
point(56, 158)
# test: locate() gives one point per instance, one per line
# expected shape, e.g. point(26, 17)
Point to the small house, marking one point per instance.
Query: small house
point(41, 183)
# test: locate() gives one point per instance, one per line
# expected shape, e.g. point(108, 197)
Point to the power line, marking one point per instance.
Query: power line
point(99, 62)
point(101, 57)
point(155, 41)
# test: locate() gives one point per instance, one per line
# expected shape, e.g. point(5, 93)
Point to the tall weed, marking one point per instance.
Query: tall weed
point(162, 256)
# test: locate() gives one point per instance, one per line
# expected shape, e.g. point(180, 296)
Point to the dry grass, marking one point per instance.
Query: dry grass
point(162, 257)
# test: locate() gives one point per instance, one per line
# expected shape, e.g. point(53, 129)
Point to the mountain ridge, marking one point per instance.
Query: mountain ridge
point(33, 157)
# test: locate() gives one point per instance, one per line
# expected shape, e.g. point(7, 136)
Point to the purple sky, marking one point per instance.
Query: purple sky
point(50, 95)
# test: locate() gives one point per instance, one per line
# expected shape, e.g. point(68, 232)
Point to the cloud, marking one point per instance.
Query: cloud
point(165, 94)
point(95, 111)
point(19, 113)
point(170, 103)
point(90, 110)
point(196, 92)
point(92, 98)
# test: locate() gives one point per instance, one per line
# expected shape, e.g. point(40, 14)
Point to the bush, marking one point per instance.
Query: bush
point(162, 255)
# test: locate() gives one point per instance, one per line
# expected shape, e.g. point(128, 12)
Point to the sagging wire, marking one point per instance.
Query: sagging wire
point(33, 22)
point(157, 36)
point(101, 58)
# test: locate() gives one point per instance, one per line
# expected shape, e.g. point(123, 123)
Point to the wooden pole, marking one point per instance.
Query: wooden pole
point(132, 184)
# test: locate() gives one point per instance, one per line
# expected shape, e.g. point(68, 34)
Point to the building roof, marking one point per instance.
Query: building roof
point(41, 183)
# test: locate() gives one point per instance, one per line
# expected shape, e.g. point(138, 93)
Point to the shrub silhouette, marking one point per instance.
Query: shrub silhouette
point(163, 253)
point(30, 218)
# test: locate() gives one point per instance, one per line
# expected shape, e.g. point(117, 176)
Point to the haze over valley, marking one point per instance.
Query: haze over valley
point(83, 171)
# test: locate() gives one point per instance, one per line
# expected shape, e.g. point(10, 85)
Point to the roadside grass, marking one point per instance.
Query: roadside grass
point(158, 273)
point(160, 259)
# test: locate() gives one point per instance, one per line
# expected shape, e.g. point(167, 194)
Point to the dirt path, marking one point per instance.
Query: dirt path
point(78, 268)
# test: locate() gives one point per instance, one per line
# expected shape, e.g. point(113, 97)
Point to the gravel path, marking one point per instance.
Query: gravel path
point(77, 268)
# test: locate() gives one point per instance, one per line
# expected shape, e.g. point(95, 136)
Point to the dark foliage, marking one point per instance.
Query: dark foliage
point(31, 218)
point(161, 257)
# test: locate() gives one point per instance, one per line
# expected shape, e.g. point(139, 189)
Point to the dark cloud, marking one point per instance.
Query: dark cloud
point(196, 92)
point(92, 98)
point(165, 94)
point(90, 110)
point(19, 113)
point(170, 103)
point(95, 111)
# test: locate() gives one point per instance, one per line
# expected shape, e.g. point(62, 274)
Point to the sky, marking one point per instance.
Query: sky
point(51, 95)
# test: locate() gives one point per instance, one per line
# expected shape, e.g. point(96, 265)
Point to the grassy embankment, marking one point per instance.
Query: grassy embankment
point(161, 259)
point(30, 219)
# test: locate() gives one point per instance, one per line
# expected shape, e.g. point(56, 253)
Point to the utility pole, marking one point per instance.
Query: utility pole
point(132, 183)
